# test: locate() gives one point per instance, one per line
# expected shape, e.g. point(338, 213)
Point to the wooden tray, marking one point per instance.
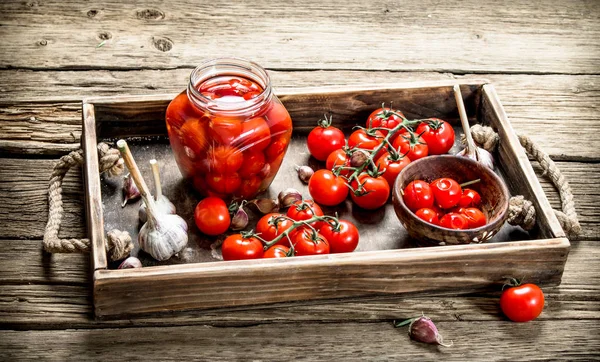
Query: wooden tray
point(386, 262)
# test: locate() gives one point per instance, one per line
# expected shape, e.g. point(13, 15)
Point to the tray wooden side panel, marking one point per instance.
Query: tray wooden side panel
point(520, 175)
point(242, 283)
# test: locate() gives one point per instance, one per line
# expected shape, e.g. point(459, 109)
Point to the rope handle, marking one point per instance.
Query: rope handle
point(118, 243)
point(522, 211)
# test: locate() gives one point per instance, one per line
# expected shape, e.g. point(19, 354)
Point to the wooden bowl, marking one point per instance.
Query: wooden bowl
point(493, 191)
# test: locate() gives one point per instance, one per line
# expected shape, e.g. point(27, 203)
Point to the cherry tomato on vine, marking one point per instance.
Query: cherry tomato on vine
point(277, 251)
point(469, 198)
point(370, 192)
point(304, 210)
point(417, 195)
point(342, 238)
point(438, 134)
point(384, 117)
point(411, 145)
point(454, 220)
point(272, 225)
point(338, 158)
point(446, 191)
point(392, 164)
point(367, 139)
point(308, 242)
point(212, 216)
point(475, 217)
point(522, 303)
point(327, 188)
point(239, 247)
point(324, 139)
point(429, 215)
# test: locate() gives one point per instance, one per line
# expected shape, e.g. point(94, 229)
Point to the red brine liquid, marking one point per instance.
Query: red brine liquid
point(225, 153)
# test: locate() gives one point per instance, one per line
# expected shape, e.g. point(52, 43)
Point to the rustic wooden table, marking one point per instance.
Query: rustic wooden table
point(542, 56)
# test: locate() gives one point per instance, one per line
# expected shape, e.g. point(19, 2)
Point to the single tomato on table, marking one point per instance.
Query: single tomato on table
point(370, 192)
point(324, 139)
point(241, 246)
point(342, 236)
point(212, 216)
point(522, 302)
point(438, 134)
point(326, 188)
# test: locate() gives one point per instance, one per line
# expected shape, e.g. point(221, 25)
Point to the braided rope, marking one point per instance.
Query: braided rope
point(521, 211)
point(118, 243)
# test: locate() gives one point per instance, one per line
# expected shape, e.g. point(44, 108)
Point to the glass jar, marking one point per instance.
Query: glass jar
point(228, 131)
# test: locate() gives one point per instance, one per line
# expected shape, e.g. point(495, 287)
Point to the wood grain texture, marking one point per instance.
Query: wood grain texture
point(305, 35)
point(311, 342)
point(52, 124)
point(42, 292)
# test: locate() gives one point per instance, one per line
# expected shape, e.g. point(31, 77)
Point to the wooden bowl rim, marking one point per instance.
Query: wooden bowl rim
point(502, 214)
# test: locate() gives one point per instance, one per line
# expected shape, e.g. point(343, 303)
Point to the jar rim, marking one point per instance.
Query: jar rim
point(229, 66)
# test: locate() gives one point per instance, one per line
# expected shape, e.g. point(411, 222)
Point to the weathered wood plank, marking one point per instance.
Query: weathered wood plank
point(52, 125)
point(25, 182)
point(570, 340)
point(533, 37)
point(43, 292)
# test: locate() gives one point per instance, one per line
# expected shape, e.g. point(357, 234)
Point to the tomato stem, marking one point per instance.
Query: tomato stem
point(296, 224)
point(470, 182)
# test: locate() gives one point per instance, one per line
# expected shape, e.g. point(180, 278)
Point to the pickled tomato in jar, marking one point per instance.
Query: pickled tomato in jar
point(228, 131)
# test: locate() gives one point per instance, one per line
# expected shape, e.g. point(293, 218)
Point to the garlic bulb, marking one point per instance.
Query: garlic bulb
point(163, 235)
point(163, 204)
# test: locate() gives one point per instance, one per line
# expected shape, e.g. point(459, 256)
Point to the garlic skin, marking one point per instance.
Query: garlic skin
point(305, 173)
point(163, 206)
point(130, 190)
point(480, 155)
point(130, 263)
point(239, 220)
point(164, 236)
point(358, 158)
point(288, 196)
point(264, 206)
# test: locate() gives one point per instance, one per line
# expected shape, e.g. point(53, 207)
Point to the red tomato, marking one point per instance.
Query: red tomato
point(469, 198)
point(194, 133)
point(327, 188)
point(392, 166)
point(229, 86)
point(212, 216)
point(338, 158)
point(384, 118)
point(248, 188)
point(438, 134)
point(368, 140)
point(446, 191)
point(522, 303)
point(411, 145)
point(373, 194)
point(179, 110)
point(453, 220)
point(277, 147)
point(277, 251)
point(224, 159)
point(417, 195)
point(253, 162)
point(343, 238)
point(255, 135)
point(226, 183)
point(238, 247)
point(271, 225)
point(429, 215)
point(475, 217)
point(278, 119)
point(307, 242)
point(304, 210)
point(324, 140)
point(224, 130)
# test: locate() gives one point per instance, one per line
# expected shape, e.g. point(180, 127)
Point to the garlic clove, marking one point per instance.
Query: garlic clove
point(358, 158)
point(130, 190)
point(305, 173)
point(423, 330)
point(130, 262)
point(288, 196)
point(264, 206)
point(239, 220)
